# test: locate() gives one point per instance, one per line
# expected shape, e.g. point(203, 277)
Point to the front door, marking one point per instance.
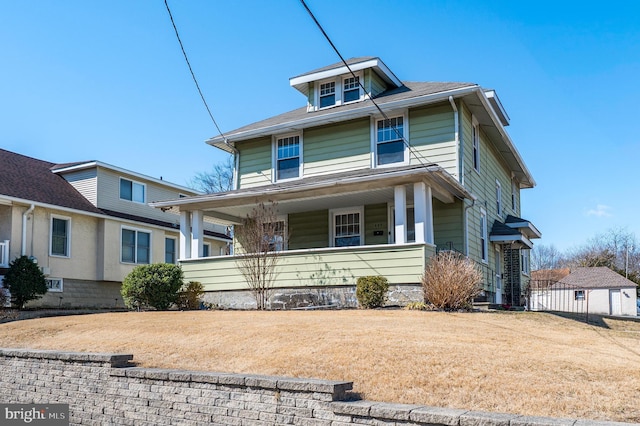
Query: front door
point(615, 302)
point(498, 276)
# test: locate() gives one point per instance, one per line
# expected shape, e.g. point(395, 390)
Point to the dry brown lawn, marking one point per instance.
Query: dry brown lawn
point(523, 363)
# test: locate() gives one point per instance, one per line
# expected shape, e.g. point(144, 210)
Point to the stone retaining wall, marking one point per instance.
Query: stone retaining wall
point(105, 389)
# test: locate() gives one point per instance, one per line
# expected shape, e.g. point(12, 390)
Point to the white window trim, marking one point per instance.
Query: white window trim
point(374, 138)
point(339, 87)
point(68, 219)
point(274, 156)
point(144, 185)
point(146, 231)
point(475, 144)
point(513, 197)
point(499, 206)
point(55, 290)
point(206, 245)
point(525, 262)
point(484, 235)
point(332, 223)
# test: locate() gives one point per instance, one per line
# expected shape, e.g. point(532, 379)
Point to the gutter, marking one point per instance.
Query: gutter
point(23, 250)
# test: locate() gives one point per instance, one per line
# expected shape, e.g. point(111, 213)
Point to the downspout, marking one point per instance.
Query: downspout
point(24, 229)
point(456, 130)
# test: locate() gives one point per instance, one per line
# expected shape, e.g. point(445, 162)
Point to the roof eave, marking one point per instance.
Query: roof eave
point(317, 120)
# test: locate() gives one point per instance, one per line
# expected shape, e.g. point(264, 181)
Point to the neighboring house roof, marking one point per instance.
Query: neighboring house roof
point(550, 274)
point(596, 277)
point(29, 179)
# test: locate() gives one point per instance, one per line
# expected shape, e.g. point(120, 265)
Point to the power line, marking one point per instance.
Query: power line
point(191, 70)
point(412, 150)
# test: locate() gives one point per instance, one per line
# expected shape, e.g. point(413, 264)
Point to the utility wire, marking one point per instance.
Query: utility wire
point(412, 150)
point(191, 70)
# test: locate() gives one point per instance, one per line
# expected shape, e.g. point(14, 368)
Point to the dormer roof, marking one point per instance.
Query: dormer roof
point(301, 82)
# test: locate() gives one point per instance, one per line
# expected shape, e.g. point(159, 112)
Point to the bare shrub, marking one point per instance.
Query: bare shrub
point(451, 281)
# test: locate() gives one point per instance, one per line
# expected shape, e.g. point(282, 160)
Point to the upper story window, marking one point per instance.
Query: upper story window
point(390, 147)
point(132, 191)
point(327, 94)
point(499, 198)
point(351, 89)
point(135, 246)
point(513, 195)
point(60, 236)
point(287, 157)
point(476, 145)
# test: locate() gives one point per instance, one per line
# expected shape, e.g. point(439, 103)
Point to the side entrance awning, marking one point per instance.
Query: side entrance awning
point(515, 231)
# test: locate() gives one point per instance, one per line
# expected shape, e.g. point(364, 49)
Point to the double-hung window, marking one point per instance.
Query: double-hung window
point(132, 191)
point(135, 246)
point(351, 89)
point(170, 250)
point(288, 157)
point(347, 227)
point(525, 261)
point(327, 94)
point(390, 141)
point(60, 236)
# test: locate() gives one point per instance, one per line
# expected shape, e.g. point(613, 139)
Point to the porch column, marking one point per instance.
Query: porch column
point(197, 233)
point(400, 208)
point(185, 235)
point(423, 210)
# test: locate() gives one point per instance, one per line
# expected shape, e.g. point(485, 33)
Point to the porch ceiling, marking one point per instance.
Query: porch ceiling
point(355, 188)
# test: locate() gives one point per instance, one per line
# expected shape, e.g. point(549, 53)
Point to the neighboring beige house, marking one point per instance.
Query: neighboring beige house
point(597, 290)
point(87, 225)
point(372, 189)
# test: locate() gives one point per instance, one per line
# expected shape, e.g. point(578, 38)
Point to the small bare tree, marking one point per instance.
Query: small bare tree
point(260, 239)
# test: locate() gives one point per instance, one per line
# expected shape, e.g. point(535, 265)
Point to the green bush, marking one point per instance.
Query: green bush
point(155, 286)
point(371, 291)
point(25, 281)
point(190, 295)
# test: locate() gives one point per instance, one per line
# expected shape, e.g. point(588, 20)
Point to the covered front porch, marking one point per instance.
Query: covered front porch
point(335, 228)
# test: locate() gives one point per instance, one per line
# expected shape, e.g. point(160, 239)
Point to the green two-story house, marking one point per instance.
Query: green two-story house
point(372, 176)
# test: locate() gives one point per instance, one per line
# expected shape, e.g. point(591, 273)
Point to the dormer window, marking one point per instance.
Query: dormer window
point(351, 89)
point(327, 94)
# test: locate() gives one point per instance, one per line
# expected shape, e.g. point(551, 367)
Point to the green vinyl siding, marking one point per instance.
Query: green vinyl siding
point(432, 134)
point(334, 266)
point(448, 225)
point(373, 83)
point(311, 95)
point(337, 147)
point(308, 230)
point(254, 163)
point(375, 219)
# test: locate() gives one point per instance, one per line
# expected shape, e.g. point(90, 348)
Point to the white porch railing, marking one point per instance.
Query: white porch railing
point(399, 263)
point(4, 254)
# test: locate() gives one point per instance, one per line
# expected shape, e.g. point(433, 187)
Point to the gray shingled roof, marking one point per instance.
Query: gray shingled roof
point(409, 90)
point(596, 277)
point(350, 61)
point(31, 179)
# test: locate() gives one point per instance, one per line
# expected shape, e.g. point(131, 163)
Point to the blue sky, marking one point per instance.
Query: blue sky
point(105, 80)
